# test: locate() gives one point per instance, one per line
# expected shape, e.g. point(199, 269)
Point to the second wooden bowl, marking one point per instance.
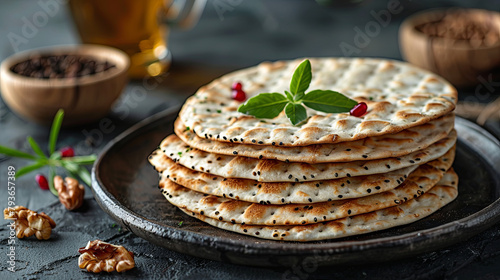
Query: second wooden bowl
point(455, 60)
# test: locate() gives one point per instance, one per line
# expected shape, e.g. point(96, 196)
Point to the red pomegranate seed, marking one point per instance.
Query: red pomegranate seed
point(239, 95)
point(359, 109)
point(67, 152)
point(237, 86)
point(42, 181)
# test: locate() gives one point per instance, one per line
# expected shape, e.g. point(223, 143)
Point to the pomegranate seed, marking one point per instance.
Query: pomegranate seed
point(239, 95)
point(359, 109)
point(237, 86)
point(42, 182)
point(67, 152)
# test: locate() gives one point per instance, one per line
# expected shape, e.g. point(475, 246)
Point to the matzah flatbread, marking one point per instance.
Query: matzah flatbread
point(399, 96)
point(241, 212)
point(413, 210)
point(391, 145)
point(288, 192)
point(278, 171)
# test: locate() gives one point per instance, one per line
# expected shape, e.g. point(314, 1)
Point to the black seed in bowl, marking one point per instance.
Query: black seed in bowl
point(60, 66)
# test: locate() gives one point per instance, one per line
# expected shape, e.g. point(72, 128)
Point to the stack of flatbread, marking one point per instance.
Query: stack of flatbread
point(334, 175)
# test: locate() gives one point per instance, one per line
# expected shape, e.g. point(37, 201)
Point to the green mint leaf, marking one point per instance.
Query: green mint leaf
point(270, 105)
point(29, 168)
point(296, 113)
point(36, 148)
point(15, 153)
point(298, 97)
point(54, 131)
point(264, 105)
point(301, 78)
point(328, 101)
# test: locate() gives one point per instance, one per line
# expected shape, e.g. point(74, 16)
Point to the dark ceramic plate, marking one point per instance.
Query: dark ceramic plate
point(125, 186)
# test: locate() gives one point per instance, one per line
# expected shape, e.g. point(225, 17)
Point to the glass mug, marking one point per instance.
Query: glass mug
point(138, 27)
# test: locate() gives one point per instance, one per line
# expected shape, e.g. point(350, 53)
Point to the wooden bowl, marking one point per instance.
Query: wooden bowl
point(455, 60)
point(84, 99)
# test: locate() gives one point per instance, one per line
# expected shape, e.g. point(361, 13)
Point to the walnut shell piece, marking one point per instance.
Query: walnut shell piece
point(28, 222)
point(70, 192)
point(100, 256)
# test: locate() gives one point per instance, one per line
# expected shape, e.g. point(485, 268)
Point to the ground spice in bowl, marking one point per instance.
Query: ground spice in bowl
point(60, 66)
point(457, 25)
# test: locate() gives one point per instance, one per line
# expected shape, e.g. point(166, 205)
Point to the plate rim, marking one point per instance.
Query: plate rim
point(114, 208)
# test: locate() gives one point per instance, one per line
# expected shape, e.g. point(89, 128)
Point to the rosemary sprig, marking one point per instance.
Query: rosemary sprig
point(73, 165)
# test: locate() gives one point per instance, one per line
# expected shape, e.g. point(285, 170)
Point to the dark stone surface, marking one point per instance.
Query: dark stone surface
point(246, 34)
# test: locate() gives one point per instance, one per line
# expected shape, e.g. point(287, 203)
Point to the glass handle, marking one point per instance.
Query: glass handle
point(183, 13)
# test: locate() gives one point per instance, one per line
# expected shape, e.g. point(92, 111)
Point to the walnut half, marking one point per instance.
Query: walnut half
point(28, 222)
point(100, 256)
point(70, 192)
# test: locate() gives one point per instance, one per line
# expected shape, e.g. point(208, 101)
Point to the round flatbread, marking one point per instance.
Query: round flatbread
point(278, 171)
point(288, 192)
point(399, 96)
point(385, 146)
point(408, 212)
point(241, 212)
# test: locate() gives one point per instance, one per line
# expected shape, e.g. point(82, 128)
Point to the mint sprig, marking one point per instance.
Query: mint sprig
point(270, 105)
point(72, 165)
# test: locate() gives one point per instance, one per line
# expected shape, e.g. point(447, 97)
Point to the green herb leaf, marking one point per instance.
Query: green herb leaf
point(77, 172)
point(36, 148)
point(81, 160)
point(72, 165)
point(29, 168)
point(54, 131)
point(56, 155)
point(264, 105)
point(328, 101)
point(298, 97)
point(269, 105)
point(180, 223)
point(52, 174)
point(296, 113)
point(15, 153)
point(301, 78)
